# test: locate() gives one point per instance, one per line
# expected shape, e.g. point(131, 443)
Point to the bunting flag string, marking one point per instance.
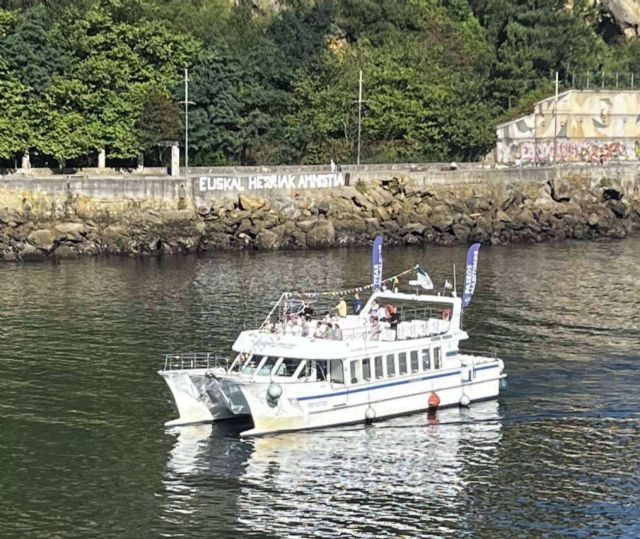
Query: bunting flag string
point(395, 280)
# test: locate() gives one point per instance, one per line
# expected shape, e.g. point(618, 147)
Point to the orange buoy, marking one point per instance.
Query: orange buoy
point(434, 400)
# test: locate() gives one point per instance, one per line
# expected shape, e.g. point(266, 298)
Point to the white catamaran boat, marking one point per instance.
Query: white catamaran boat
point(400, 354)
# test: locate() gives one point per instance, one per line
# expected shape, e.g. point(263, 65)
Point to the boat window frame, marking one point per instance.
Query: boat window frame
point(394, 373)
point(437, 357)
point(414, 354)
point(426, 353)
point(378, 374)
point(296, 373)
point(262, 363)
point(355, 365)
point(331, 380)
point(367, 361)
point(403, 356)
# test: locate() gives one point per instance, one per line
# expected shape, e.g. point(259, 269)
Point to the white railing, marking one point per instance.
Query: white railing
point(195, 360)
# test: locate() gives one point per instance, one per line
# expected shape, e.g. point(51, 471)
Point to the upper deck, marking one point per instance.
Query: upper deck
point(425, 317)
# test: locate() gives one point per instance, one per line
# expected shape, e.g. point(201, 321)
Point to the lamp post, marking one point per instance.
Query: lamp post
point(186, 120)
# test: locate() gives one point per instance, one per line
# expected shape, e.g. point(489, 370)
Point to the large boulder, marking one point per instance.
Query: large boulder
point(268, 240)
point(69, 231)
point(42, 239)
point(321, 235)
point(251, 204)
point(30, 254)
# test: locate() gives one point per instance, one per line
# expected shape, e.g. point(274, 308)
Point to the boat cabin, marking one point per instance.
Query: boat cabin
point(423, 339)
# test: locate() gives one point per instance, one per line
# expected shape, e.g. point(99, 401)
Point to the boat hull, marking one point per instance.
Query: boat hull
point(329, 406)
point(197, 397)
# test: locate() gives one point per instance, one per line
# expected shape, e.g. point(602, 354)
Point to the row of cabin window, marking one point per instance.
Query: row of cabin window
point(367, 369)
point(359, 369)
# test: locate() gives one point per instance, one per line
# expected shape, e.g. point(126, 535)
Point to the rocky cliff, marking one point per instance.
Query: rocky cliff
point(405, 213)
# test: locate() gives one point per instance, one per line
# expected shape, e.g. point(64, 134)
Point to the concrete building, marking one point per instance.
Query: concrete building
point(585, 126)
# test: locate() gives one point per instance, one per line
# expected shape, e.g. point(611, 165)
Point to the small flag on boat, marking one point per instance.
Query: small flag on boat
point(422, 279)
point(376, 263)
point(447, 285)
point(470, 274)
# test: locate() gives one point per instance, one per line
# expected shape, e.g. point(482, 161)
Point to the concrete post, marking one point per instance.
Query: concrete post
point(26, 161)
point(102, 158)
point(175, 160)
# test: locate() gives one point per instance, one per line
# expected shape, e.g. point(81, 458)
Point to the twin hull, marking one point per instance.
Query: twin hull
point(202, 395)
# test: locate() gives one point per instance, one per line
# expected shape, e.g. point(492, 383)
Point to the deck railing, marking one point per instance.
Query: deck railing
point(195, 360)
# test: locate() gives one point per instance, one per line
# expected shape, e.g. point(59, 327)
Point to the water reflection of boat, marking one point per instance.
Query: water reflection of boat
point(411, 473)
point(289, 378)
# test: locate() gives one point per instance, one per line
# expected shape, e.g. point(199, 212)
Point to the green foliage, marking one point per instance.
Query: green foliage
point(281, 86)
point(159, 121)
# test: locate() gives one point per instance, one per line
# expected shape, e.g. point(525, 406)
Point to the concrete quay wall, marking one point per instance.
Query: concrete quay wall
point(277, 208)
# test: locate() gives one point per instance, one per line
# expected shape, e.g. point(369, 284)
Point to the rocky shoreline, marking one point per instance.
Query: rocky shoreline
point(402, 211)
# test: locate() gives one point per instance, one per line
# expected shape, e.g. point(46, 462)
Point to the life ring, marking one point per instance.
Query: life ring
point(445, 314)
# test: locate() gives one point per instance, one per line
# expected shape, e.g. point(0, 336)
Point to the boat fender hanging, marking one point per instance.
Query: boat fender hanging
point(370, 414)
point(274, 391)
point(465, 400)
point(434, 400)
point(445, 314)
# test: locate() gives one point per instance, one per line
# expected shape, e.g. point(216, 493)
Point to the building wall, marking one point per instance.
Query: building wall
point(590, 126)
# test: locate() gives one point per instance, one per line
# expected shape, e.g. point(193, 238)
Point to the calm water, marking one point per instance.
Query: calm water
point(83, 450)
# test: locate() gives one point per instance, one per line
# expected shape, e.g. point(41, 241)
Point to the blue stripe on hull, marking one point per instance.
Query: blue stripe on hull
point(371, 388)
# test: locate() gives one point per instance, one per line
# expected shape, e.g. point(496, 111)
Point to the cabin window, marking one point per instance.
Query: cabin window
point(321, 370)
point(337, 371)
point(437, 358)
point(366, 368)
point(305, 372)
point(391, 365)
point(355, 371)
point(287, 367)
point(402, 363)
point(240, 360)
point(378, 367)
point(267, 364)
point(426, 360)
point(250, 364)
point(415, 363)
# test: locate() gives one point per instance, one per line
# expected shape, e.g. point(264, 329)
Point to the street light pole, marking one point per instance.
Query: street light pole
point(186, 119)
point(555, 125)
point(359, 115)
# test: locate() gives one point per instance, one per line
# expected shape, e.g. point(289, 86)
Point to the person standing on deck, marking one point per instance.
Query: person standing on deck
point(357, 304)
point(341, 307)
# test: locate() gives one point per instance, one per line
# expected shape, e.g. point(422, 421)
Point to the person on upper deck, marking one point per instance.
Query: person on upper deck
point(319, 331)
point(357, 304)
point(328, 332)
point(341, 307)
point(306, 311)
point(393, 317)
point(375, 329)
point(337, 332)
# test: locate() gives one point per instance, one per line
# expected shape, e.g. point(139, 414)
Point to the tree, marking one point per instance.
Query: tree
point(159, 121)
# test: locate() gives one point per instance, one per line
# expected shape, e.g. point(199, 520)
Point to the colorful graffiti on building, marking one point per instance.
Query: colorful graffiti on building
point(580, 126)
point(542, 152)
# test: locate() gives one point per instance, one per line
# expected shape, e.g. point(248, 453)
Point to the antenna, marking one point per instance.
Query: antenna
point(455, 289)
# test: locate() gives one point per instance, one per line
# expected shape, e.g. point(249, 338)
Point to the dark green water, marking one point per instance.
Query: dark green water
point(83, 450)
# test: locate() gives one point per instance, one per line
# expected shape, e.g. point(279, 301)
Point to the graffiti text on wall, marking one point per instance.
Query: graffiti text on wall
point(582, 151)
point(270, 181)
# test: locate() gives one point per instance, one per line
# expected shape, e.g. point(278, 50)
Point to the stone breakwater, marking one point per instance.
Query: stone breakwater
point(37, 226)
